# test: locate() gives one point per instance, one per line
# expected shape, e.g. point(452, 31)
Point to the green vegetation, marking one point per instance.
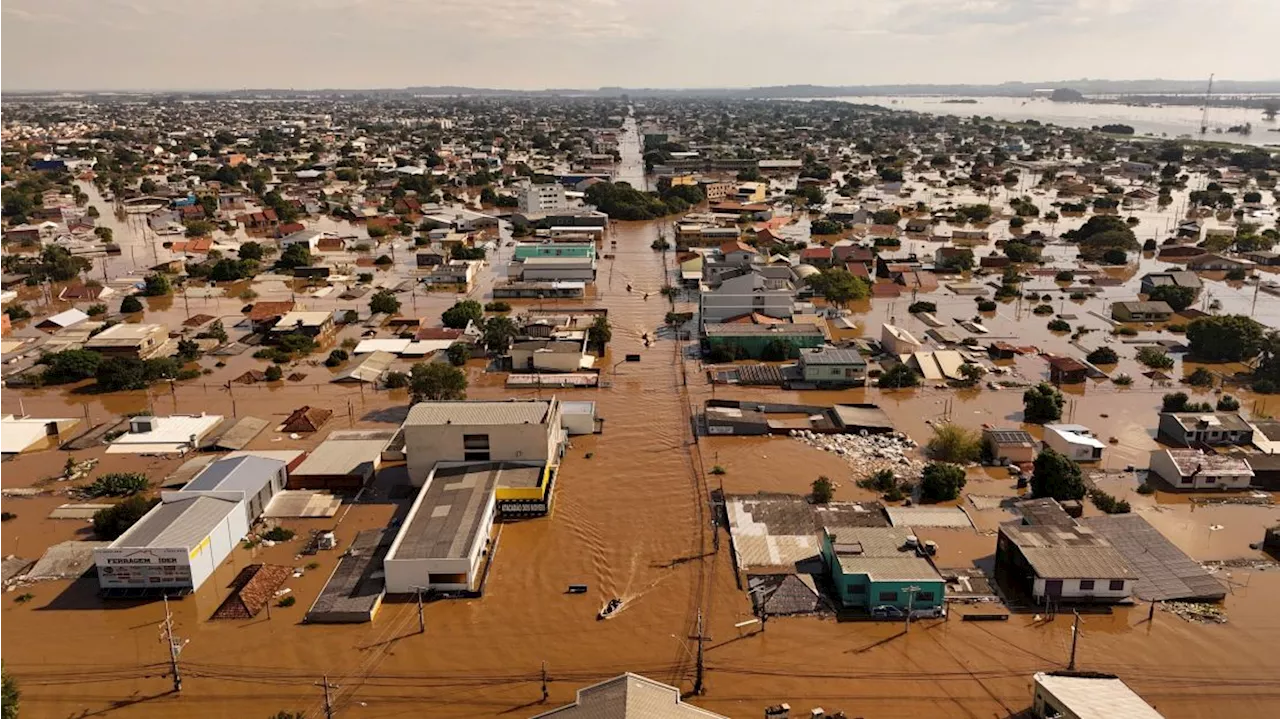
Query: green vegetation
point(130, 305)
point(1100, 234)
point(987, 306)
point(1103, 355)
point(458, 353)
point(70, 366)
point(287, 601)
point(1056, 476)
point(110, 523)
point(498, 332)
point(336, 358)
point(10, 697)
point(899, 375)
point(922, 306)
point(294, 256)
point(54, 263)
point(823, 490)
point(1108, 503)
point(1042, 310)
point(621, 201)
point(156, 285)
point(1176, 296)
point(251, 251)
point(278, 534)
point(117, 484)
point(1059, 326)
point(273, 373)
point(436, 381)
point(839, 286)
point(497, 306)
point(95, 310)
point(1042, 403)
point(941, 482)
point(1154, 357)
point(825, 227)
point(395, 380)
point(1228, 338)
point(1201, 377)
point(462, 313)
point(296, 344)
point(17, 312)
point(599, 333)
point(954, 443)
point(1021, 252)
point(1122, 380)
point(960, 261)
point(1180, 402)
point(975, 213)
point(384, 302)
point(1227, 403)
point(117, 374)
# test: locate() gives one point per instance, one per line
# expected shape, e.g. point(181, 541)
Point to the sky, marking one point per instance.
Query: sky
point(536, 44)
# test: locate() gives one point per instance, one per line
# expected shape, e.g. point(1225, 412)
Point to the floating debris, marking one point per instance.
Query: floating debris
point(1197, 612)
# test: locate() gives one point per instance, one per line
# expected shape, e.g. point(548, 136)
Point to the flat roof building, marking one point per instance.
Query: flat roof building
point(256, 479)
point(174, 434)
point(1194, 469)
point(344, 461)
point(444, 537)
point(1075, 441)
point(482, 431)
point(128, 340)
point(1209, 428)
point(1068, 695)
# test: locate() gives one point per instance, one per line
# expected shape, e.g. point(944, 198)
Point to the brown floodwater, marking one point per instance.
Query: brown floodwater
point(630, 520)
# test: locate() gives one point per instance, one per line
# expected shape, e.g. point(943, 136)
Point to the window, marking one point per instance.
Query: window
point(1117, 585)
point(857, 589)
point(475, 447)
point(924, 596)
point(1187, 480)
point(1210, 480)
point(1086, 585)
point(888, 596)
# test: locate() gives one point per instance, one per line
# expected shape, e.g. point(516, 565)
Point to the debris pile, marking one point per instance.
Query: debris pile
point(869, 453)
point(1197, 612)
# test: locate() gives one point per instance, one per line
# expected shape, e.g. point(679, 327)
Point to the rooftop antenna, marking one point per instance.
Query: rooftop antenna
point(1204, 115)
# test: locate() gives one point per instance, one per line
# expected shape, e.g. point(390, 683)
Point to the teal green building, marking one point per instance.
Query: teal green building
point(873, 567)
point(752, 339)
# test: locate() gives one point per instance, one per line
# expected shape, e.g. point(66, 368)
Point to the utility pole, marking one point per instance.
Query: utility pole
point(328, 705)
point(544, 681)
point(174, 646)
point(1075, 635)
point(422, 624)
point(911, 600)
point(698, 687)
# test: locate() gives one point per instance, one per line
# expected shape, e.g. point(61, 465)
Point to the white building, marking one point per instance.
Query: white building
point(309, 238)
point(745, 294)
point(898, 341)
point(446, 533)
point(19, 434)
point(164, 435)
point(182, 540)
point(1063, 695)
point(1074, 441)
point(1055, 562)
point(535, 198)
point(1193, 469)
point(481, 431)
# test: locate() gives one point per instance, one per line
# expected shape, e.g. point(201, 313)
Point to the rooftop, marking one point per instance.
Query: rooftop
point(1224, 421)
point(629, 696)
point(479, 412)
point(831, 356)
point(1091, 697)
point(301, 319)
point(879, 553)
point(344, 453)
point(734, 329)
point(1075, 434)
point(1010, 436)
point(1068, 552)
point(179, 521)
point(248, 474)
point(1193, 461)
point(449, 513)
point(1145, 307)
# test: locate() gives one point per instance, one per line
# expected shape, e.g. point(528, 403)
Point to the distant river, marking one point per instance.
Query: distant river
point(1165, 121)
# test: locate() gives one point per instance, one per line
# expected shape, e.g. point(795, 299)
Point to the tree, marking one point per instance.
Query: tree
point(294, 256)
point(199, 228)
point(462, 313)
point(498, 331)
point(886, 217)
point(1021, 252)
point(384, 302)
point(600, 333)
point(1266, 378)
point(117, 484)
point(899, 375)
point(435, 381)
point(839, 286)
point(1103, 355)
point(1227, 338)
point(954, 443)
point(106, 234)
point(188, 349)
point(156, 285)
point(251, 251)
point(130, 304)
point(117, 374)
point(297, 343)
point(336, 358)
point(114, 521)
point(70, 366)
point(1176, 296)
point(1056, 476)
point(1042, 403)
point(1180, 402)
point(458, 353)
point(823, 490)
point(941, 482)
point(972, 373)
point(961, 260)
point(1155, 358)
point(273, 373)
point(1227, 403)
point(10, 697)
point(824, 227)
point(1201, 377)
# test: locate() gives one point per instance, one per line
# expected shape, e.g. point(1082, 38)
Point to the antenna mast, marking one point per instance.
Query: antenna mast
point(1204, 115)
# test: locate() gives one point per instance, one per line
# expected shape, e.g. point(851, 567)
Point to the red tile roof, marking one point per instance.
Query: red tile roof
point(268, 310)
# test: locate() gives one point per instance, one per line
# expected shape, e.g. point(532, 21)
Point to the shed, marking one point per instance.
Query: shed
point(344, 461)
point(306, 419)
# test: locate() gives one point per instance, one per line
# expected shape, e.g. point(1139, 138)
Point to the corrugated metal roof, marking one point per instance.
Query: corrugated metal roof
point(337, 457)
point(247, 474)
point(368, 369)
point(952, 517)
point(478, 412)
point(183, 522)
point(1062, 552)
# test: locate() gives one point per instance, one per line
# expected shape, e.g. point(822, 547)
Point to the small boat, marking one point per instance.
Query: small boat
point(609, 609)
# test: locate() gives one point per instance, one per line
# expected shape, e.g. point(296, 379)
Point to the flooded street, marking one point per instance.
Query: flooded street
point(631, 519)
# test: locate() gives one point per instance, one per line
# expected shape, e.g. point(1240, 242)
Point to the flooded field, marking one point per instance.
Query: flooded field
point(1164, 121)
point(631, 519)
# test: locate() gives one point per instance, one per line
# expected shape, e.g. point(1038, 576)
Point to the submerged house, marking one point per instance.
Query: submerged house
point(873, 567)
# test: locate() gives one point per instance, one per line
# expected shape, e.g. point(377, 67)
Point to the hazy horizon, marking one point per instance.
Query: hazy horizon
point(144, 45)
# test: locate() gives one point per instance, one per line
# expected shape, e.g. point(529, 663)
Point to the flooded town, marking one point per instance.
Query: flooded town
point(454, 404)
